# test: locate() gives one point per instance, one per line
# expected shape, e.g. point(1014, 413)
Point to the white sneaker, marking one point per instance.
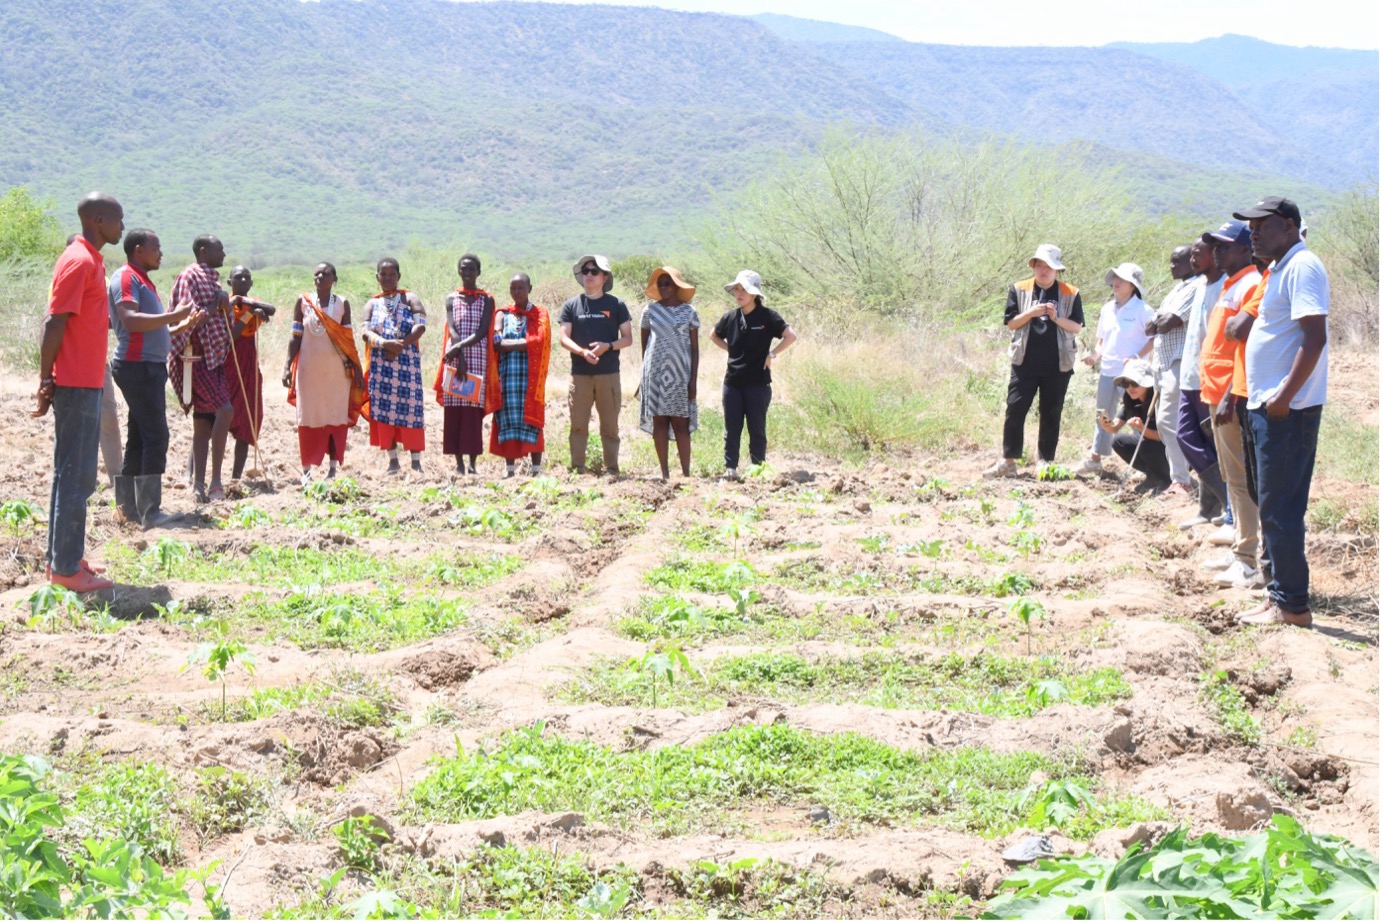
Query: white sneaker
point(1193, 522)
point(1223, 536)
point(1236, 575)
point(1002, 468)
point(1216, 564)
point(731, 474)
point(1091, 466)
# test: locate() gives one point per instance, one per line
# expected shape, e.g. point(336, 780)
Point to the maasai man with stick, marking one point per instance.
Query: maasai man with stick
point(323, 373)
point(395, 321)
point(195, 364)
point(242, 371)
point(468, 314)
point(518, 373)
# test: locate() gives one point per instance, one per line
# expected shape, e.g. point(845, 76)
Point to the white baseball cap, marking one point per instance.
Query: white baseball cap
point(1049, 254)
point(748, 279)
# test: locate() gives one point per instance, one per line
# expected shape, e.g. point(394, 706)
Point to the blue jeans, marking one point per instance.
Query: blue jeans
point(746, 407)
point(76, 447)
point(1286, 452)
point(1108, 398)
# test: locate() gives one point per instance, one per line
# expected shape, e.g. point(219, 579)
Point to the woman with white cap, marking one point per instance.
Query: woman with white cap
point(1044, 316)
point(1121, 335)
point(747, 334)
point(668, 380)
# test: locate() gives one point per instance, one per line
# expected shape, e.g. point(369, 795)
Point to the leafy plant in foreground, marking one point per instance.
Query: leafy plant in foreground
point(17, 513)
point(47, 601)
point(106, 879)
point(168, 553)
point(1284, 872)
point(660, 663)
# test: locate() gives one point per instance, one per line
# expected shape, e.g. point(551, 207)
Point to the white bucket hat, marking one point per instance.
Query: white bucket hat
point(1049, 254)
point(1130, 272)
point(748, 279)
point(601, 263)
point(1137, 373)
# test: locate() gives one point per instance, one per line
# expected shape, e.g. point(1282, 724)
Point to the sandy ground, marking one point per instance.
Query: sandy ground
point(1119, 582)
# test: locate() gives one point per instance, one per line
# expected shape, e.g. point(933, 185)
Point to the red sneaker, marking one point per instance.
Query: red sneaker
point(93, 568)
point(81, 582)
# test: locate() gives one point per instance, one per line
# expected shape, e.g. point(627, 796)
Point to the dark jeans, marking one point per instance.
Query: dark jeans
point(146, 444)
point(1151, 459)
point(1286, 452)
point(1051, 391)
point(1252, 480)
point(746, 406)
point(76, 446)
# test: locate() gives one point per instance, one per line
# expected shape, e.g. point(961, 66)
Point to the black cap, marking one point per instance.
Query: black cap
point(1273, 204)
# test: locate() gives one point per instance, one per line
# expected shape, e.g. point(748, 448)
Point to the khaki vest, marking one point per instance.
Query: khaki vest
point(1066, 342)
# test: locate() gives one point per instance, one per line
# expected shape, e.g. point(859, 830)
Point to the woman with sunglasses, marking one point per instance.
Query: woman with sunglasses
point(668, 380)
point(746, 333)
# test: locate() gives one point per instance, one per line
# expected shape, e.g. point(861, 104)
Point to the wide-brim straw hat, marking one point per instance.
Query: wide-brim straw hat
point(685, 291)
point(601, 263)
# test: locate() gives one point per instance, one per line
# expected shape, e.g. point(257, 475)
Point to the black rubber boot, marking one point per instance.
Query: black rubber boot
point(126, 507)
point(149, 497)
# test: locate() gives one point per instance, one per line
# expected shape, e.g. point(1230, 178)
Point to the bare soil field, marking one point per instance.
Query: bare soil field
point(496, 667)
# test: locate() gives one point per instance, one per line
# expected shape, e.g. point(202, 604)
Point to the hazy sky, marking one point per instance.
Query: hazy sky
point(1333, 23)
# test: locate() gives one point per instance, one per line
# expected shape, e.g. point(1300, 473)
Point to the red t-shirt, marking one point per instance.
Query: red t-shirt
point(79, 290)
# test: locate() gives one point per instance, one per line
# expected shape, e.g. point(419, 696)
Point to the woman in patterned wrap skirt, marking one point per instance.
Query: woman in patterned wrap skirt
point(668, 380)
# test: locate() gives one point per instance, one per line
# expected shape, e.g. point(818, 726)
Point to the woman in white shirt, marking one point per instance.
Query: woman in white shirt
point(1120, 336)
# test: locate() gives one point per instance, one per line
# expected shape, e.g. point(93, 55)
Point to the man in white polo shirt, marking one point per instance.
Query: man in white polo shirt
point(1285, 367)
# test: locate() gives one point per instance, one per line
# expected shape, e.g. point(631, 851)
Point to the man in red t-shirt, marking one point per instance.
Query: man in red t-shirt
point(72, 371)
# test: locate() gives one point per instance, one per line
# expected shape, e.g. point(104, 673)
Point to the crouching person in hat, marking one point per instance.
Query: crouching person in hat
point(1121, 335)
point(595, 326)
point(1143, 447)
point(1044, 316)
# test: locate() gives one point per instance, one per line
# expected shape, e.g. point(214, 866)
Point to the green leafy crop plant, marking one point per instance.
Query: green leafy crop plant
point(857, 779)
point(682, 574)
point(1282, 873)
point(982, 683)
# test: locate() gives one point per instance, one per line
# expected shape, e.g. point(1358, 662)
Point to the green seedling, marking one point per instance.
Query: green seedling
point(933, 486)
point(1057, 803)
point(761, 471)
point(737, 573)
point(48, 601)
point(1022, 517)
point(604, 901)
point(742, 599)
point(736, 530)
point(217, 658)
point(544, 488)
point(1027, 542)
point(660, 663)
point(248, 516)
point(167, 553)
point(987, 508)
point(931, 549)
point(1026, 610)
point(358, 839)
point(17, 513)
point(1051, 473)
point(875, 544)
point(1011, 584)
point(1045, 692)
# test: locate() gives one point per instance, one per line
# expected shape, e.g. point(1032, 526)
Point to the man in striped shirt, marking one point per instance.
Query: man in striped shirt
point(1169, 331)
point(198, 286)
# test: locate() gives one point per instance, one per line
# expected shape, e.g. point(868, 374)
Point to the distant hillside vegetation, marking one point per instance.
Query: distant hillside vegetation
point(813, 30)
point(346, 128)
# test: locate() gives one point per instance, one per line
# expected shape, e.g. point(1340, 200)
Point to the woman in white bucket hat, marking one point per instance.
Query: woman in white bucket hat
point(747, 334)
point(1121, 335)
point(1044, 316)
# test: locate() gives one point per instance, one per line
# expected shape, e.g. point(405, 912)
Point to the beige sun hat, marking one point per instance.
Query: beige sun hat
point(601, 263)
point(685, 291)
point(749, 280)
point(1048, 253)
point(1136, 373)
point(1131, 273)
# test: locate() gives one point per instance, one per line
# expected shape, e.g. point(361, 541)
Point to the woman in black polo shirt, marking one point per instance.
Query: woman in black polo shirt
point(747, 334)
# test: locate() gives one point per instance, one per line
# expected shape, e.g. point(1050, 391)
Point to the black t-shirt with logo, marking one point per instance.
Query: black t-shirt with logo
point(1041, 356)
point(595, 320)
point(749, 337)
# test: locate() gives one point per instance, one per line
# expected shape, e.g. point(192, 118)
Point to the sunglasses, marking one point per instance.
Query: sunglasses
point(591, 270)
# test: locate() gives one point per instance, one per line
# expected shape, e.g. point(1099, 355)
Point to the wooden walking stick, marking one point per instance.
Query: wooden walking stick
point(244, 396)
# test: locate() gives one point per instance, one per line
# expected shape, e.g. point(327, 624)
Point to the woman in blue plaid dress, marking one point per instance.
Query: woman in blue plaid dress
point(395, 321)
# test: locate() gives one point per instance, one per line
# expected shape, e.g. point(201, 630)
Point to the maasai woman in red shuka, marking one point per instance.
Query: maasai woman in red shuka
point(243, 378)
point(469, 311)
point(517, 390)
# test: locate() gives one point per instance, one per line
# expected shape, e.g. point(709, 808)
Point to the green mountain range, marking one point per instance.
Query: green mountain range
point(347, 128)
